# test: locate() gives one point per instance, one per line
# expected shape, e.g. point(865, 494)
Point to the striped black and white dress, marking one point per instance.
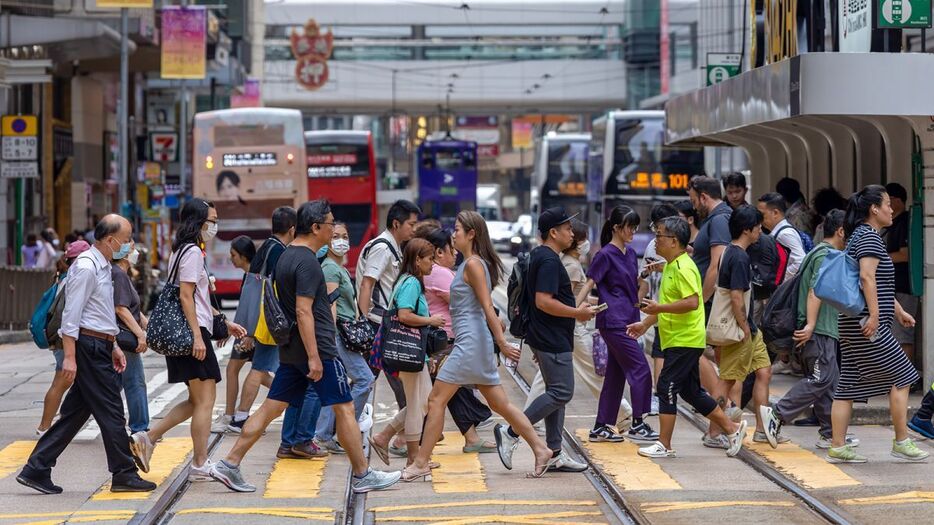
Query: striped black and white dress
point(872, 368)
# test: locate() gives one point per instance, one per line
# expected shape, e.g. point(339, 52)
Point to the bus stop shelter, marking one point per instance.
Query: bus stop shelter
point(840, 120)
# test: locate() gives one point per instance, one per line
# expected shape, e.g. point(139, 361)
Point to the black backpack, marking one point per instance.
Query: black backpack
point(769, 261)
point(518, 297)
point(780, 316)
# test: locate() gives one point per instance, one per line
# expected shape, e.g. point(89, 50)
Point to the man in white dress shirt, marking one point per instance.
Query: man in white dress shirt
point(94, 362)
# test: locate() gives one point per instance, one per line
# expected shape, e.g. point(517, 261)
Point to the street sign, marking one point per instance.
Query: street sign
point(19, 170)
point(897, 14)
point(721, 66)
point(20, 148)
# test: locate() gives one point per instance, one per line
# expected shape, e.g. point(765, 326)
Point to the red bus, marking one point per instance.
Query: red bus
point(342, 169)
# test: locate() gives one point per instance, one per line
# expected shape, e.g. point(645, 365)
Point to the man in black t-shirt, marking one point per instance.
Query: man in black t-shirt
point(552, 313)
point(309, 360)
point(896, 244)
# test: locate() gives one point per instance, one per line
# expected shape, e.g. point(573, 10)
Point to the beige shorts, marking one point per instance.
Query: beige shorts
point(739, 359)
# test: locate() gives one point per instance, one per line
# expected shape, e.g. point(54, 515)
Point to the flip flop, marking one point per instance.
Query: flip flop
point(382, 452)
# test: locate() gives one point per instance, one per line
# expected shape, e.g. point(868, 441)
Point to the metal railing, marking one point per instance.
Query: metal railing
point(20, 291)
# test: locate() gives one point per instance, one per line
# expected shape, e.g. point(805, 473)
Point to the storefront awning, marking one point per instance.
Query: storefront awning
point(67, 38)
point(813, 84)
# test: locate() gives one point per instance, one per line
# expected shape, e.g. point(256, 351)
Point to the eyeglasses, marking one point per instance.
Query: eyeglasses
point(669, 236)
point(326, 223)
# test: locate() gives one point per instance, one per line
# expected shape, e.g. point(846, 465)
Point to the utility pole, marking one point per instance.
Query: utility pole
point(183, 137)
point(123, 110)
point(392, 117)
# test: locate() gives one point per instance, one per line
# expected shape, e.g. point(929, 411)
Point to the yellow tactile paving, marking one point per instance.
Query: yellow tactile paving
point(14, 456)
point(169, 454)
point(629, 470)
point(459, 472)
point(807, 468)
point(668, 506)
point(914, 496)
point(295, 478)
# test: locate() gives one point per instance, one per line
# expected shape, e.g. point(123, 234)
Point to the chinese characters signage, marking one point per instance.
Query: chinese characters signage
point(312, 50)
point(184, 42)
point(144, 4)
point(238, 160)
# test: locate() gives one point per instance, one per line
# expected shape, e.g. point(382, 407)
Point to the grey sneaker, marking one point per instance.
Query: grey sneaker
point(230, 475)
point(331, 446)
point(826, 443)
point(220, 424)
point(720, 441)
point(642, 433)
point(761, 437)
point(564, 463)
point(736, 439)
point(375, 480)
point(505, 445)
point(141, 447)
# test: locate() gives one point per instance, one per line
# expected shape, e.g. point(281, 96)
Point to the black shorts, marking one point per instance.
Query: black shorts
point(681, 377)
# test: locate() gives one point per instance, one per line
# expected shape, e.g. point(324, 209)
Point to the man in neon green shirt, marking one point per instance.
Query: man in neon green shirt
point(683, 331)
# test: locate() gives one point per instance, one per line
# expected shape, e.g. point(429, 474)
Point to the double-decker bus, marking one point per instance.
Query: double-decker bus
point(342, 169)
point(447, 178)
point(630, 164)
point(559, 175)
point(248, 162)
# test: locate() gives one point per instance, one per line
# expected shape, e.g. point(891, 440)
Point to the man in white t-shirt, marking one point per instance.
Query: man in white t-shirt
point(773, 206)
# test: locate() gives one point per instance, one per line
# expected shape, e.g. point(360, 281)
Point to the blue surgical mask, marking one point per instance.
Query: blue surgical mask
point(123, 251)
point(323, 252)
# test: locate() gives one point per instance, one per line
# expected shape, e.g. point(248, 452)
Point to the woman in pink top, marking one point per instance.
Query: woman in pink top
point(466, 410)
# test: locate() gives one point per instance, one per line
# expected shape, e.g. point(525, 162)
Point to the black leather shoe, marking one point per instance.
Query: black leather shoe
point(132, 484)
point(810, 421)
point(44, 486)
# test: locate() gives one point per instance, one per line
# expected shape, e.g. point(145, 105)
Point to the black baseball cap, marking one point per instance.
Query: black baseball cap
point(552, 218)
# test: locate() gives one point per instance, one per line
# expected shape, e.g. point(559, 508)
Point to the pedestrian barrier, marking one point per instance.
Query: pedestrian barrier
point(20, 290)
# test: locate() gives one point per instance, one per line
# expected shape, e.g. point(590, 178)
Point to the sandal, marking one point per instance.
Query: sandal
point(540, 470)
point(382, 452)
point(480, 447)
point(411, 474)
point(433, 465)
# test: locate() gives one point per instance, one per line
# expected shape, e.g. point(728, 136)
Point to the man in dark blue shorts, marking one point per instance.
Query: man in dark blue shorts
point(310, 356)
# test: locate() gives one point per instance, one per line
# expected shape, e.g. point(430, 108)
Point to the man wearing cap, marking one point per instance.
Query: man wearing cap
point(553, 311)
point(88, 332)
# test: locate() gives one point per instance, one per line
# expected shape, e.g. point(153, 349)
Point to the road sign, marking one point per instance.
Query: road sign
point(19, 170)
point(20, 141)
point(721, 66)
point(896, 14)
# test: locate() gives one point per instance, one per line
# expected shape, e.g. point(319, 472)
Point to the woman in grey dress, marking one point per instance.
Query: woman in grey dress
point(473, 359)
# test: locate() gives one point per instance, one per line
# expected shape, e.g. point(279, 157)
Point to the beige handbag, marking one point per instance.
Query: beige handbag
point(722, 328)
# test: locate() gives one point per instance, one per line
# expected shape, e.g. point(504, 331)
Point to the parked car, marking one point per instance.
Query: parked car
point(522, 239)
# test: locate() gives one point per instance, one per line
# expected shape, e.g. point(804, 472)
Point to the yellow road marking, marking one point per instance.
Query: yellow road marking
point(459, 472)
point(295, 478)
point(65, 514)
point(84, 519)
point(914, 496)
point(487, 502)
point(307, 513)
point(538, 519)
point(667, 506)
point(628, 469)
point(168, 455)
point(804, 466)
point(14, 456)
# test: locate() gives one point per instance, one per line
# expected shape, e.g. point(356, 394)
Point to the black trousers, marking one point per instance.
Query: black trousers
point(466, 410)
point(96, 391)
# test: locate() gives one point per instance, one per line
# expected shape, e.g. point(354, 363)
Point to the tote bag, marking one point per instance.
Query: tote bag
point(722, 328)
point(168, 332)
point(838, 283)
point(402, 348)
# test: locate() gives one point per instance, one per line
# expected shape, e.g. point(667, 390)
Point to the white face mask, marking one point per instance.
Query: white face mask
point(584, 247)
point(133, 258)
point(208, 234)
point(340, 246)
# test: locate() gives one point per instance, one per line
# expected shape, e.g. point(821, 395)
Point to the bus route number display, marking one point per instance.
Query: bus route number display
point(246, 160)
point(656, 181)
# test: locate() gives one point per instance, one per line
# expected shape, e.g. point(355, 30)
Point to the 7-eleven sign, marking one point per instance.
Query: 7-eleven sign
point(164, 146)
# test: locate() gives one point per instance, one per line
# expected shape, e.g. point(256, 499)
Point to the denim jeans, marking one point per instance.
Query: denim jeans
point(358, 371)
point(298, 425)
point(134, 387)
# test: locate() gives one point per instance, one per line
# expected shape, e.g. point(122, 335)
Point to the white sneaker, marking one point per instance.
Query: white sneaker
point(202, 473)
point(220, 424)
point(653, 411)
point(736, 439)
point(366, 418)
point(657, 450)
point(564, 463)
point(734, 413)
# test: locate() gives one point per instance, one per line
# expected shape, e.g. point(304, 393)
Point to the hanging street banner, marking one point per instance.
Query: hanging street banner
point(184, 42)
point(721, 66)
point(898, 14)
point(139, 4)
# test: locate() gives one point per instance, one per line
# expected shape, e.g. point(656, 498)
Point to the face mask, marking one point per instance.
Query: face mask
point(208, 234)
point(323, 252)
point(123, 251)
point(584, 247)
point(133, 258)
point(340, 246)
point(55, 242)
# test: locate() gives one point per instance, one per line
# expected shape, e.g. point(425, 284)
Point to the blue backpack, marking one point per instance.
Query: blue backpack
point(806, 241)
point(40, 316)
point(838, 283)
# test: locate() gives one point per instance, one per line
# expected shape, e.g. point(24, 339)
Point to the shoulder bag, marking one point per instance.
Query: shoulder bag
point(402, 348)
point(722, 328)
point(838, 283)
point(168, 332)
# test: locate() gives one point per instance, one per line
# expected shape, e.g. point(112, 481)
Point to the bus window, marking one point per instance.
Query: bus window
point(567, 169)
point(338, 160)
point(357, 218)
point(449, 159)
point(249, 136)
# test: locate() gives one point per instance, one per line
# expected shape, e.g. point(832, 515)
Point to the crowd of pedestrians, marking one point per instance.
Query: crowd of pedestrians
point(694, 304)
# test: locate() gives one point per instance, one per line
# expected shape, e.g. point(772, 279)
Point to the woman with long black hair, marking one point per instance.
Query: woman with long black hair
point(200, 371)
point(615, 273)
point(872, 362)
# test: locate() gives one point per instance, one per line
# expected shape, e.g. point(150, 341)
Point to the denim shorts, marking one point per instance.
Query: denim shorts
point(59, 358)
point(291, 382)
point(265, 357)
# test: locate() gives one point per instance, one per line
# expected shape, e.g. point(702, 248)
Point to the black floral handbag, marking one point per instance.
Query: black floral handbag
point(357, 335)
point(168, 332)
point(219, 329)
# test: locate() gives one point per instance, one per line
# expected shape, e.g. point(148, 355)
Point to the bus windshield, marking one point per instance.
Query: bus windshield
point(643, 163)
point(338, 160)
point(567, 169)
